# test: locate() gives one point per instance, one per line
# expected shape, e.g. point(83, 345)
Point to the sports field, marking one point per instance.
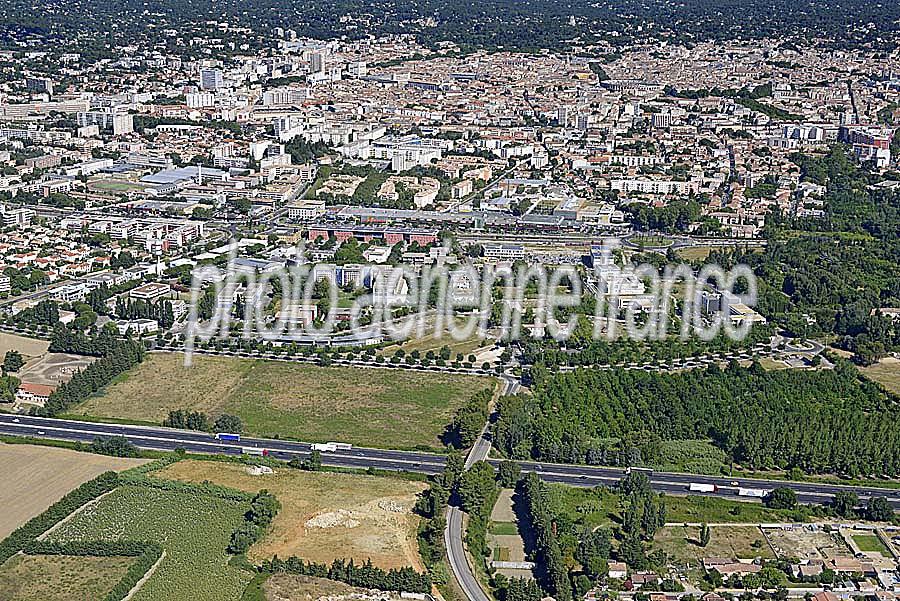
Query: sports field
point(372, 407)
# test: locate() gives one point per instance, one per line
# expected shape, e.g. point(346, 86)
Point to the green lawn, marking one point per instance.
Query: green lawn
point(371, 407)
point(194, 530)
point(870, 543)
point(504, 528)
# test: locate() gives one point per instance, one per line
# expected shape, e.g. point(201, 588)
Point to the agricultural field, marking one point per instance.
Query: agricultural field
point(324, 516)
point(683, 546)
point(193, 529)
point(290, 587)
point(371, 407)
point(35, 477)
point(60, 577)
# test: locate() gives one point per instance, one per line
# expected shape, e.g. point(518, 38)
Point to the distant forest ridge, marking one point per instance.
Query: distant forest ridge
point(95, 27)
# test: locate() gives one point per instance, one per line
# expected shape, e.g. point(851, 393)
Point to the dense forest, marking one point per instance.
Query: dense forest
point(819, 421)
point(471, 24)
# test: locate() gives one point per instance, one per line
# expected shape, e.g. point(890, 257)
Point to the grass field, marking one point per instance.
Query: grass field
point(35, 477)
point(741, 542)
point(60, 577)
point(870, 543)
point(111, 185)
point(29, 347)
point(695, 509)
point(372, 517)
point(600, 507)
point(193, 529)
point(373, 407)
point(886, 372)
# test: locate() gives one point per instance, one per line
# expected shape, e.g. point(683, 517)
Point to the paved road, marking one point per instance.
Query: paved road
point(453, 532)
point(166, 439)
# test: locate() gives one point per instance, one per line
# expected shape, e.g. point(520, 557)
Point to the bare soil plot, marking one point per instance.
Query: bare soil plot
point(29, 347)
point(60, 577)
point(35, 477)
point(804, 543)
point(325, 516)
point(738, 542)
point(53, 369)
point(372, 407)
point(290, 587)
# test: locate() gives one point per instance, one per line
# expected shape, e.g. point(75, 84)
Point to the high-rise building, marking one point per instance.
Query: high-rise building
point(40, 85)
point(317, 61)
point(119, 123)
point(211, 79)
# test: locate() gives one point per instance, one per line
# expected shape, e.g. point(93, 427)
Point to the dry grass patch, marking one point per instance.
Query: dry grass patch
point(886, 372)
point(35, 477)
point(60, 577)
point(325, 516)
point(739, 542)
point(373, 407)
point(29, 347)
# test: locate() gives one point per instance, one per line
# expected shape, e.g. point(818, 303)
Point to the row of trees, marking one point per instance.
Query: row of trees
point(823, 421)
point(120, 357)
point(366, 575)
point(160, 311)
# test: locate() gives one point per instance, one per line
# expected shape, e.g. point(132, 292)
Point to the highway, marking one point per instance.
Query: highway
point(167, 439)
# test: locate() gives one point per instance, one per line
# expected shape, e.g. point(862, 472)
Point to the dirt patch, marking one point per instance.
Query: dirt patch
point(53, 369)
point(35, 477)
point(806, 543)
point(325, 516)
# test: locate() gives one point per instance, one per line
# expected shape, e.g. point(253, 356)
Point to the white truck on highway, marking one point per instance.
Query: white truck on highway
point(698, 487)
point(330, 447)
point(752, 492)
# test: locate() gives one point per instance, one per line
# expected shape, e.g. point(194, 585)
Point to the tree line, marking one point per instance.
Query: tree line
point(117, 358)
point(366, 575)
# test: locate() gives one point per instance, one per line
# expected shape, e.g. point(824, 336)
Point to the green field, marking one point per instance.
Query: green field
point(194, 530)
point(371, 407)
point(601, 507)
point(504, 528)
point(115, 186)
point(60, 577)
point(870, 543)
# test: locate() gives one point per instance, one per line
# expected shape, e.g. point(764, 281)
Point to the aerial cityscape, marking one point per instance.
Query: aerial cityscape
point(476, 301)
